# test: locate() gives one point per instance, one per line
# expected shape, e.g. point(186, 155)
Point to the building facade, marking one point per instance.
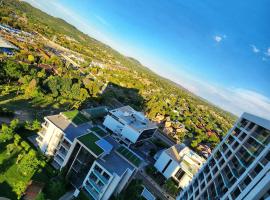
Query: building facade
point(129, 125)
point(96, 164)
point(239, 167)
point(180, 163)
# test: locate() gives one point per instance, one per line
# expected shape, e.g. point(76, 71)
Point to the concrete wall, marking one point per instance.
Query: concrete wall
point(162, 162)
point(50, 139)
point(130, 134)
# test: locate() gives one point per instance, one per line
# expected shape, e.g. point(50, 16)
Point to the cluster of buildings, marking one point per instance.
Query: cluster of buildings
point(100, 162)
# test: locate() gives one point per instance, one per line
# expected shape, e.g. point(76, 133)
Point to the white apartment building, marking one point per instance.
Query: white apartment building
point(129, 125)
point(96, 164)
point(57, 134)
point(180, 163)
point(239, 167)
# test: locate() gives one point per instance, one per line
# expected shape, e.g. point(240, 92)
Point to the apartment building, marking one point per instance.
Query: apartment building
point(129, 125)
point(239, 167)
point(180, 163)
point(96, 164)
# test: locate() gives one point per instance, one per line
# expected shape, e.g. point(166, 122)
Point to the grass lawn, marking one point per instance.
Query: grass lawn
point(89, 140)
point(99, 131)
point(75, 116)
point(9, 175)
point(129, 156)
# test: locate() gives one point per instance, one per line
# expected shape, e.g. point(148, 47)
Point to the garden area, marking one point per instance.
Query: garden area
point(21, 163)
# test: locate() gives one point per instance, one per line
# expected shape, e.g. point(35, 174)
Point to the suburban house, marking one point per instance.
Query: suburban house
point(128, 125)
point(180, 163)
point(96, 163)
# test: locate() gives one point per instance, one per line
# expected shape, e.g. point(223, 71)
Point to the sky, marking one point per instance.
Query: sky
point(219, 50)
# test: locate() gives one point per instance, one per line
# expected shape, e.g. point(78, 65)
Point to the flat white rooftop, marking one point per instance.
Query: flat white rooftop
point(133, 118)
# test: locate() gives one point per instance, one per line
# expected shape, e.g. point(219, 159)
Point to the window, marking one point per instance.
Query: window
point(266, 159)
point(262, 135)
point(106, 176)
point(243, 136)
point(235, 145)
point(244, 156)
point(228, 153)
point(221, 162)
point(253, 146)
point(235, 193)
point(93, 177)
point(230, 140)
point(215, 169)
point(243, 123)
point(179, 174)
point(236, 132)
point(250, 126)
point(98, 169)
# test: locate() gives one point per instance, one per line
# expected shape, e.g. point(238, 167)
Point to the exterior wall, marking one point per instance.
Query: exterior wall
point(51, 138)
point(113, 124)
point(246, 144)
point(124, 181)
point(162, 162)
point(130, 134)
point(111, 188)
point(184, 181)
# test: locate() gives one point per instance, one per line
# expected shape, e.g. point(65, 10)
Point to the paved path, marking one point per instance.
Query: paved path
point(164, 138)
point(152, 186)
point(67, 196)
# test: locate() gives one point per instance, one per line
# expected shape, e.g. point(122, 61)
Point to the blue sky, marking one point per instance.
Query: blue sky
point(219, 50)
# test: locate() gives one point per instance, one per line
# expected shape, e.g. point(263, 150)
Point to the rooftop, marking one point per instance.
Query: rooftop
point(133, 118)
point(129, 155)
point(6, 44)
point(187, 158)
point(100, 132)
point(71, 130)
point(113, 162)
point(90, 141)
point(75, 117)
point(96, 112)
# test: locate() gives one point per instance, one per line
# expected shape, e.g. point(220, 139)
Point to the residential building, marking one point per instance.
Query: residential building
point(96, 164)
point(180, 163)
point(239, 167)
point(129, 125)
point(59, 132)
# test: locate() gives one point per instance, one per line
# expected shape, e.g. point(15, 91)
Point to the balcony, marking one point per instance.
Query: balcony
point(100, 177)
point(92, 192)
point(94, 185)
point(59, 160)
point(42, 132)
point(39, 139)
point(45, 125)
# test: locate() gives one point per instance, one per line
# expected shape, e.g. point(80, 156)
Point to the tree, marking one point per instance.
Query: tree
point(171, 187)
point(31, 58)
point(19, 188)
point(6, 133)
point(40, 196)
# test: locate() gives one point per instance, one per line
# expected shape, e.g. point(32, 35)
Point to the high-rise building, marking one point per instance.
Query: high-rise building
point(239, 167)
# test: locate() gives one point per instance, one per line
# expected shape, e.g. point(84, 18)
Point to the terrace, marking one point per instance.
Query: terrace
point(75, 117)
point(99, 131)
point(130, 156)
point(89, 140)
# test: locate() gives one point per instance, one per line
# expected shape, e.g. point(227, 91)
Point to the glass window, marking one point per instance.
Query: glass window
point(235, 193)
point(106, 176)
point(98, 169)
point(253, 146)
point(243, 136)
point(236, 132)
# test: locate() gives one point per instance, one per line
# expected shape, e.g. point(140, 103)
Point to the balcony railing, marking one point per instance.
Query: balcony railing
point(92, 192)
point(102, 178)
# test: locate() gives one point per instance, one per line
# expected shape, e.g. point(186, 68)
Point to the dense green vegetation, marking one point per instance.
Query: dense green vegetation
point(123, 78)
point(20, 163)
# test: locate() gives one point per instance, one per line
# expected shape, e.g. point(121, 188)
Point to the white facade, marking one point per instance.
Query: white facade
point(101, 184)
point(180, 163)
point(131, 126)
point(239, 167)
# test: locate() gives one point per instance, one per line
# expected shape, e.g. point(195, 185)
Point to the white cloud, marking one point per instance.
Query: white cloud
point(267, 53)
point(235, 100)
point(255, 49)
point(218, 38)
